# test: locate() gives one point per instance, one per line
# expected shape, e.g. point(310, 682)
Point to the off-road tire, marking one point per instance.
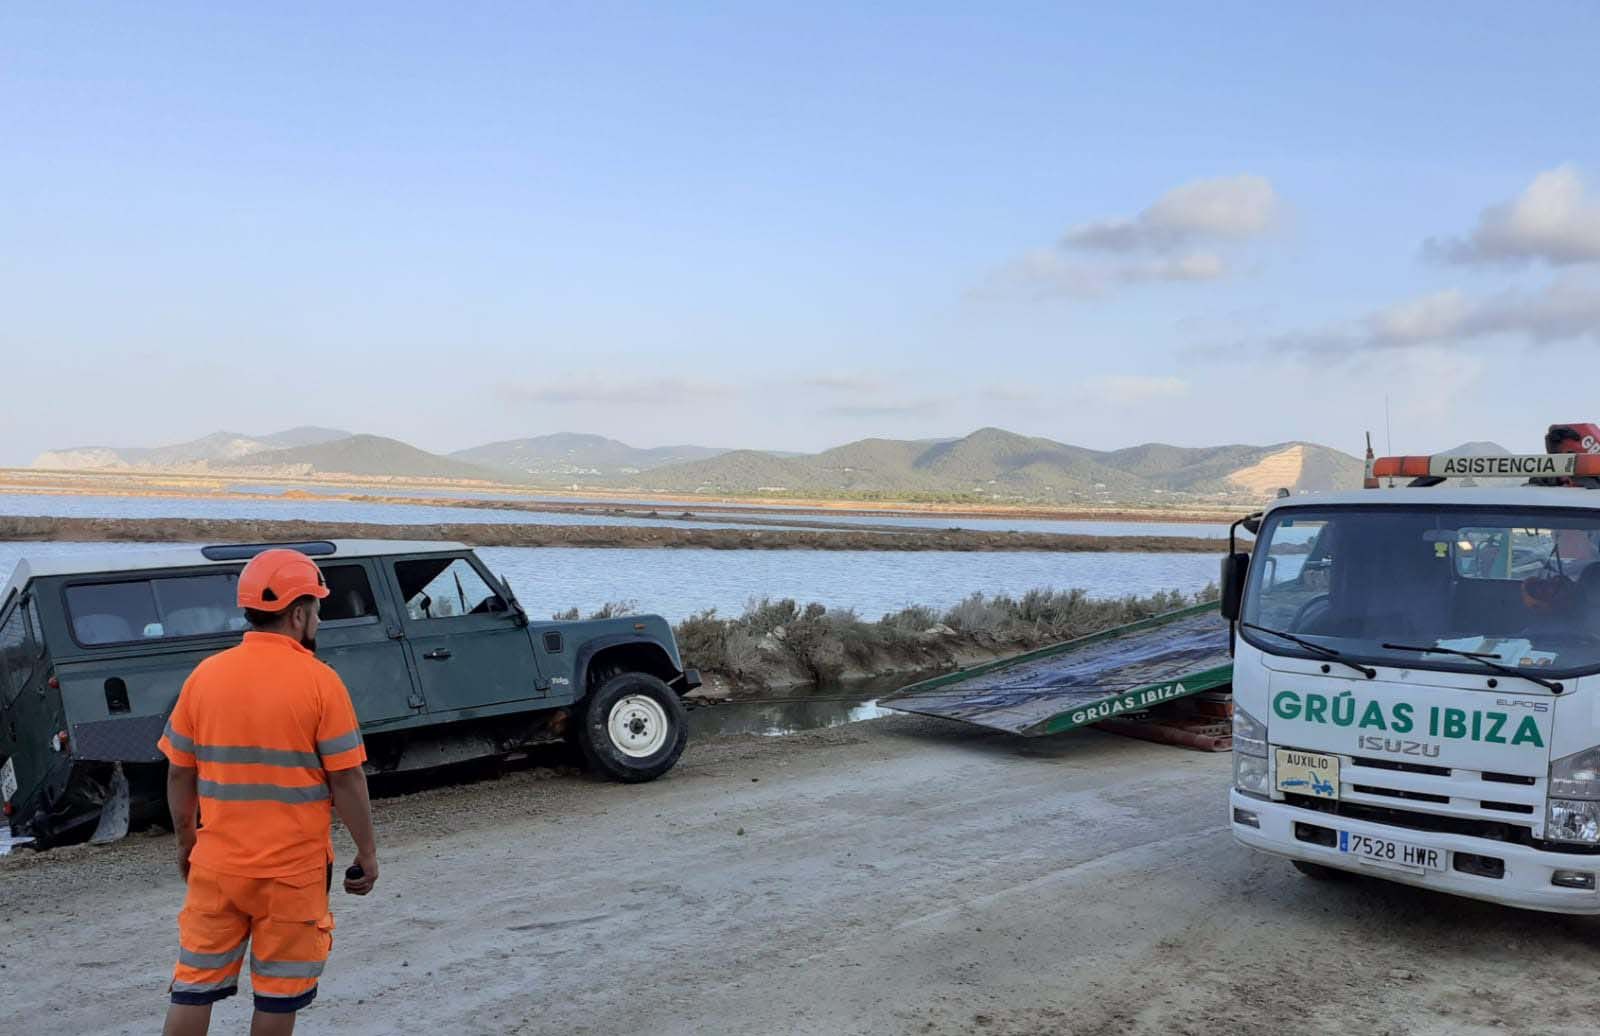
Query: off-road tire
point(1319, 871)
point(655, 720)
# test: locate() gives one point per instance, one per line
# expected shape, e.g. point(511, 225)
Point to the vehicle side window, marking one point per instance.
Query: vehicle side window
point(16, 655)
point(350, 596)
point(438, 588)
point(149, 609)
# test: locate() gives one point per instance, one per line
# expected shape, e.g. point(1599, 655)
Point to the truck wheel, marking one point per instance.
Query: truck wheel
point(1319, 871)
point(633, 728)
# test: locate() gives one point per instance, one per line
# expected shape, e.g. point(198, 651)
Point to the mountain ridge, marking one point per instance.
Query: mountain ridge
point(989, 464)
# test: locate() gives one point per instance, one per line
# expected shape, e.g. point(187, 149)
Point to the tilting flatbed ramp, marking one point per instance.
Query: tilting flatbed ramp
point(1083, 681)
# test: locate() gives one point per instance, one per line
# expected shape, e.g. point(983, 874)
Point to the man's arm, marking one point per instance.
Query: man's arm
point(350, 799)
point(183, 802)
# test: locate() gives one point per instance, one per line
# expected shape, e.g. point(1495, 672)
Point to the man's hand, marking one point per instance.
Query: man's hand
point(184, 849)
point(368, 862)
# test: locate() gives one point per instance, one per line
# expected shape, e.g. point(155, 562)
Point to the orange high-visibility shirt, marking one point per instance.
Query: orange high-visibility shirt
point(264, 723)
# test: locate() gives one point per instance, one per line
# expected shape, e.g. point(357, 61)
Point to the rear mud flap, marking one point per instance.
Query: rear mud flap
point(117, 812)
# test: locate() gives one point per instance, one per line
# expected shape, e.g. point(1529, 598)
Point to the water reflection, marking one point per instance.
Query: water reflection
point(681, 582)
point(775, 719)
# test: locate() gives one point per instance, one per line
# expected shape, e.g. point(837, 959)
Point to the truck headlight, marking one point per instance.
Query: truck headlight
point(1249, 753)
point(1574, 811)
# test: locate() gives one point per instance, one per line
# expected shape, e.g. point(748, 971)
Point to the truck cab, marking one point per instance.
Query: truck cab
point(1417, 681)
point(442, 664)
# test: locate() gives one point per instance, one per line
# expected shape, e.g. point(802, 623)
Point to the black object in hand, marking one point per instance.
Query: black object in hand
point(354, 872)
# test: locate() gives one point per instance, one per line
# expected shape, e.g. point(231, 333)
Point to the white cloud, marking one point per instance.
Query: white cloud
point(1567, 309)
point(848, 383)
point(1174, 240)
point(1553, 220)
point(1135, 388)
point(889, 408)
point(1195, 266)
point(1226, 208)
point(585, 389)
point(1043, 274)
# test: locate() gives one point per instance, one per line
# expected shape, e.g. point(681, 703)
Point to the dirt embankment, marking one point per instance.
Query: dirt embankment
point(207, 530)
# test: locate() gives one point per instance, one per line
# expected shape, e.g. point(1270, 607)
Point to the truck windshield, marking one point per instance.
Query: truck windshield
point(1517, 586)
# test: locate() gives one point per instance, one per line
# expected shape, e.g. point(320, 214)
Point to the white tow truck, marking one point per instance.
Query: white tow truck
point(1416, 677)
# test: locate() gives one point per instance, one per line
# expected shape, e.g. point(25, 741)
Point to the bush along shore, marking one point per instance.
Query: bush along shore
point(782, 645)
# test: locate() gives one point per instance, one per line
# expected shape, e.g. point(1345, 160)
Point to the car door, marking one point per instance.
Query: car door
point(469, 649)
point(360, 639)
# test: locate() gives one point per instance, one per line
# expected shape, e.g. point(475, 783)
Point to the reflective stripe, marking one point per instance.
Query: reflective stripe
point(263, 792)
point(342, 743)
point(263, 756)
point(210, 961)
point(231, 982)
point(179, 742)
point(285, 968)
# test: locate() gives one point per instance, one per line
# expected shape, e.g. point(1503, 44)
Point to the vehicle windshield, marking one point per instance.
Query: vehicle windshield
point(1520, 587)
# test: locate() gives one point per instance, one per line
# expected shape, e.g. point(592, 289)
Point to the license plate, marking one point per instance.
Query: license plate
point(8, 780)
point(1386, 852)
point(1308, 773)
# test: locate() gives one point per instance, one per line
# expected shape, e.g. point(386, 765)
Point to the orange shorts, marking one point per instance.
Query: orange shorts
point(283, 922)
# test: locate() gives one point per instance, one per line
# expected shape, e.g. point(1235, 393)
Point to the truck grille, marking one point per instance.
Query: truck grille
point(1500, 807)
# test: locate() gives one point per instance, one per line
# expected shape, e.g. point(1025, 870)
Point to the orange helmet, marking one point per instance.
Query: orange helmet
point(275, 579)
point(1549, 593)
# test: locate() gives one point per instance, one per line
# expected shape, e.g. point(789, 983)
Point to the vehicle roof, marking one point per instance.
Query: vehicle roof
point(1448, 495)
point(189, 557)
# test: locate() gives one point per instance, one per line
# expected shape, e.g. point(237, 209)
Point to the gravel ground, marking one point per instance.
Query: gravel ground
point(896, 876)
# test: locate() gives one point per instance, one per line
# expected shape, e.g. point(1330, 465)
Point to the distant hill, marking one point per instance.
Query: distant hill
point(997, 464)
point(218, 446)
point(366, 455)
point(990, 464)
point(1477, 448)
point(572, 454)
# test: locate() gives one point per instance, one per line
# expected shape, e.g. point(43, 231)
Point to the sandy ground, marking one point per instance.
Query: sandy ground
point(898, 876)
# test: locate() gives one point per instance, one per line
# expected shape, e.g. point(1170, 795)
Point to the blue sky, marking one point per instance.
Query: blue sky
point(789, 227)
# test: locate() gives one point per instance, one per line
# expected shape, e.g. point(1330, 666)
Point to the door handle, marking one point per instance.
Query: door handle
point(437, 654)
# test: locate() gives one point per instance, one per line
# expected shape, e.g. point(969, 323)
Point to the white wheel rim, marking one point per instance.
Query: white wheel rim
point(638, 726)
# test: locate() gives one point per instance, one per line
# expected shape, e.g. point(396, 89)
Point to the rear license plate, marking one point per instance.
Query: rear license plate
point(8, 780)
point(1386, 852)
point(1308, 773)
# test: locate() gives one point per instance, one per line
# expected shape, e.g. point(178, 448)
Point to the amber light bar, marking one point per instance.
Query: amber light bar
point(1538, 465)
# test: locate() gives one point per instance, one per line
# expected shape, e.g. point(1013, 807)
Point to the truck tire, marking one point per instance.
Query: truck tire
point(1319, 871)
point(633, 728)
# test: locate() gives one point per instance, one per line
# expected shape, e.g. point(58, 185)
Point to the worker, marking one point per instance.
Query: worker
point(1552, 603)
point(264, 745)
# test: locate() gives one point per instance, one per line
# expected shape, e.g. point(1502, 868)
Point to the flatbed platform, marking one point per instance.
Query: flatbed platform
point(1112, 673)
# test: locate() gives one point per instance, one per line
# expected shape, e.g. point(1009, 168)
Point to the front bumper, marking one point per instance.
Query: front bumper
point(1526, 882)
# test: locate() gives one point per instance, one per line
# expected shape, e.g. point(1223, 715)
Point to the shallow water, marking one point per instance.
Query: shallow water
point(269, 506)
point(680, 582)
point(775, 719)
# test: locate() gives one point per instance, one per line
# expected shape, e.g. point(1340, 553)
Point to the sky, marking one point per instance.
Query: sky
point(792, 226)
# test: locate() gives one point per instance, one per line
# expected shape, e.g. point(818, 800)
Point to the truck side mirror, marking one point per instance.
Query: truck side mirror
point(1234, 568)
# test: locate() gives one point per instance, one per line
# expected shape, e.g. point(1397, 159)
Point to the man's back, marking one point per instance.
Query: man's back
point(262, 723)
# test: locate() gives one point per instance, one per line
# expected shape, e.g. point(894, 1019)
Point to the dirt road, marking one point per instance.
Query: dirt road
point(897, 876)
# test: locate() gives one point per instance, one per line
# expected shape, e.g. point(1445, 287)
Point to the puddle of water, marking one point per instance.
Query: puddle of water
point(776, 719)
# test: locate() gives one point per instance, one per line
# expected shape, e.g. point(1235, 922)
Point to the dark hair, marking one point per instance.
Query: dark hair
point(260, 620)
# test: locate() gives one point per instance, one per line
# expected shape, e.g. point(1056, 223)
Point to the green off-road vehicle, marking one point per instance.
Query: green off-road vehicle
point(441, 661)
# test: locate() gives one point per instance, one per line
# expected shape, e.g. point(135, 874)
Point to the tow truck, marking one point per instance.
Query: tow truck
point(1416, 676)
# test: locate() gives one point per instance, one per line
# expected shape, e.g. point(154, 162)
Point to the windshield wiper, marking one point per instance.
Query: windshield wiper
point(1312, 646)
point(1483, 658)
